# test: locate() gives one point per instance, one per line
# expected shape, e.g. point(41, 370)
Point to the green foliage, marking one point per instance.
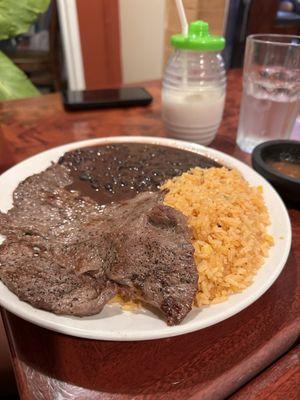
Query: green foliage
point(13, 82)
point(16, 16)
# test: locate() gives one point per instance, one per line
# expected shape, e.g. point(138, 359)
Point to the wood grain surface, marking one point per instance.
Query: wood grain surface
point(209, 364)
point(280, 381)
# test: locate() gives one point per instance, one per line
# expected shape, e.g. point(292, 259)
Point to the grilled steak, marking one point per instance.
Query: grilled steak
point(55, 254)
point(42, 206)
point(30, 271)
point(154, 256)
point(66, 253)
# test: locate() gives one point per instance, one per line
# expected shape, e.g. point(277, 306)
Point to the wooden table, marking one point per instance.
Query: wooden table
point(209, 364)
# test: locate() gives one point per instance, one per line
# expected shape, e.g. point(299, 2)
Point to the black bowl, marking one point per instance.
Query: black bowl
point(278, 150)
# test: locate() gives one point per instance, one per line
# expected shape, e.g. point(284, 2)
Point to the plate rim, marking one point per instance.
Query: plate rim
point(191, 326)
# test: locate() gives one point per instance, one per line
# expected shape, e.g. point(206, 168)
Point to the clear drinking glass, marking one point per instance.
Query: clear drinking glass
point(271, 89)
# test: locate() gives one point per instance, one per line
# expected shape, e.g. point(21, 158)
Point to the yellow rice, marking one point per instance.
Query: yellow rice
point(228, 220)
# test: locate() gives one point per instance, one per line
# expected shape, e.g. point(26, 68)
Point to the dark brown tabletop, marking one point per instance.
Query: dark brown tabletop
point(209, 364)
point(279, 381)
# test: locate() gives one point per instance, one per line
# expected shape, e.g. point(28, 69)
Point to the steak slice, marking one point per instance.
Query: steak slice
point(67, 254)
point(35, 276)
point(43, 207)
point(56, 249)
point(154, 256)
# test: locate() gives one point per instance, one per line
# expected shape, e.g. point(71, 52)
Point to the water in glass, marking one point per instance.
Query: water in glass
point(270, 105)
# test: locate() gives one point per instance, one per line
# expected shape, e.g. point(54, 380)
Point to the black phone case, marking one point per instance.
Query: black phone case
point(103, 104)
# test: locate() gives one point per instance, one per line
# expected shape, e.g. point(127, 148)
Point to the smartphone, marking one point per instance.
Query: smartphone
point(105, 98)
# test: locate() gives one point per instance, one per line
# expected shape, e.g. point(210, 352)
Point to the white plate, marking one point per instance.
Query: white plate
point(113, 323)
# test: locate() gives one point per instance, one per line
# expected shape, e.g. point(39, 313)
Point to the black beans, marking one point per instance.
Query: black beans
point(119, 171)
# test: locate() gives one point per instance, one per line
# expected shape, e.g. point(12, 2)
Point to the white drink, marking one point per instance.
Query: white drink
point(270, 106)
point(194, 114)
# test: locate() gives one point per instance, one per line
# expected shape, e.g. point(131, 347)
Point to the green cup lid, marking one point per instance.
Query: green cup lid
point(198, 38)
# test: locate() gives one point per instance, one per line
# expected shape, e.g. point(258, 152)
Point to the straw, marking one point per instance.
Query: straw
point(182, 17)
